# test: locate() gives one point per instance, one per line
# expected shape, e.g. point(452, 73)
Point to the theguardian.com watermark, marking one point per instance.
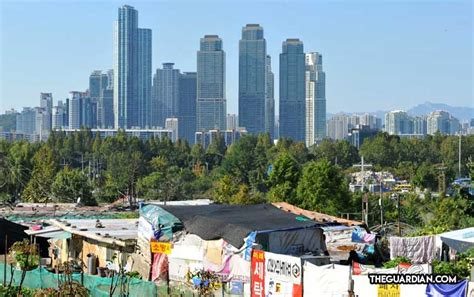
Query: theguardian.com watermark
point(412, 279)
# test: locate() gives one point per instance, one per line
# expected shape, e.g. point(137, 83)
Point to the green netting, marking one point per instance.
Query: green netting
point(41, 278)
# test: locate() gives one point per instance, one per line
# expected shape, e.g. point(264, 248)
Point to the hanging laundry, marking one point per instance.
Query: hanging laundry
point(420, 249)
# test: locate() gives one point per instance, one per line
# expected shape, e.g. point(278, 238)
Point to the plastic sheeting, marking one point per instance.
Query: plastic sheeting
point(285, 242)
point(190, 252)
point(161, 221)
point(325, 281)
point(437, 290)
point(459, 240)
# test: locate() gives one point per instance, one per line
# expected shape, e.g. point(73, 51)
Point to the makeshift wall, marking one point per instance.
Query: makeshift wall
point(333, 280)
point(58, 251)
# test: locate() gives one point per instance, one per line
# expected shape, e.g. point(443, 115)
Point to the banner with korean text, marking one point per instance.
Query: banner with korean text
point(257, 273)
point(275, 275)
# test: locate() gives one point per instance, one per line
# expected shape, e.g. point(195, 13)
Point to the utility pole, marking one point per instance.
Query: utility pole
point(381, 204)
point(398, 207)
point(459, 156)
point(365, 209)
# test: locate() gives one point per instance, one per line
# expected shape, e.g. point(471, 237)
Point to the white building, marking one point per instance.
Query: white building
point(315, 80)
point(442, 122)
point(173, 125)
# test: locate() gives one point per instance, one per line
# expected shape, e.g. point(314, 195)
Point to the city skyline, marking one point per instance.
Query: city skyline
point(41, 79)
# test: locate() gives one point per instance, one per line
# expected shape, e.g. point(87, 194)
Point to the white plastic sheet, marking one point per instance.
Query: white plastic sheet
point(460, 240)
point(325, 281)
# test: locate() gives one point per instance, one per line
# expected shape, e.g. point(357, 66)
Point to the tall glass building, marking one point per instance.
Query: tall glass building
point(187, 106)
point(144, 77)
point(269, 99)
point(46, 104)
point(165, 94)
point(132, 69)
point(211, 107)
point(315, 99)
point(252, 83)
point(292, 90)
point(98, 82)
point(75, 110)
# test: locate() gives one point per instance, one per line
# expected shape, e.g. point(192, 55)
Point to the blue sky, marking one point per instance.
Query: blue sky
point(377, 55)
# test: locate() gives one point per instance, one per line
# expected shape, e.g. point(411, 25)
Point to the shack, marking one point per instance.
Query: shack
point(91, 243)
point(219, 238)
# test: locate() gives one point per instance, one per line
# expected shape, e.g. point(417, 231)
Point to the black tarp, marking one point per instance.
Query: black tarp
point(234, 222)
point(14, 233)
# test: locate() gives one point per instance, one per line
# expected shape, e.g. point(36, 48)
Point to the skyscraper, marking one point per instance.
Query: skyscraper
point(144, 77)
point(419, 125)
point(315, 99)
point(187, 106)
point(338, 126)
point(58, 116)
point(173, 125)
point(132, 69)
point(25, 121)
point(252, 83)
point(105, 109)
point(46, 103)
point(292, 90)
point(443, 122)
point(269, 99)
point(98, 82)
point(211, 100)
point(165, 94)
point(75, 110)
point(232, 122)
point(398, 122)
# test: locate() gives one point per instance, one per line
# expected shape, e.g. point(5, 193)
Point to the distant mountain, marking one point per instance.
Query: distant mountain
point(463, 113)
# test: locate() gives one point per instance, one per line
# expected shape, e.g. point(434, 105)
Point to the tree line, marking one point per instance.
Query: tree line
point(251, 170)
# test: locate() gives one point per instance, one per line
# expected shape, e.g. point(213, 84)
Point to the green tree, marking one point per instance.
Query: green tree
point(380, 150)
point(18, 167)
point(38, 188)
point(71, 184)
point(122, 174)
point(323, 188)
point(339, 152)
point(283, 179)
point(164, 183)
point(215, 151)
point(245, 196)
point(450, 213)
point(225, 188)
point(425, 177)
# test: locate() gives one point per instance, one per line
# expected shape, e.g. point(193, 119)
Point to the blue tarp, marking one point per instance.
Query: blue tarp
point(457, 290)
